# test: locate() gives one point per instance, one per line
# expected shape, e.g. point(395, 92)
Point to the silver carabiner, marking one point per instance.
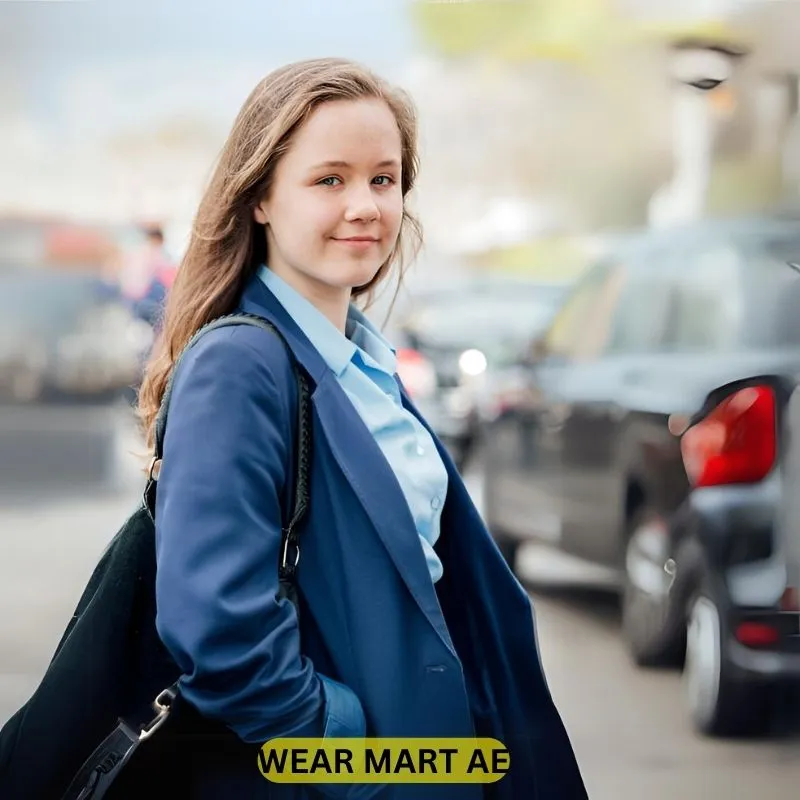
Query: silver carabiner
point(285, 557)
point(163, 708)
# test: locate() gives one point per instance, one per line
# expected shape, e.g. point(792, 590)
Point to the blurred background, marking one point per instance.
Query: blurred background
point(610, 191)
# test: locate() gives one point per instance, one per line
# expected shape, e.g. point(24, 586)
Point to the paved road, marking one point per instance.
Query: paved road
point(628, 726)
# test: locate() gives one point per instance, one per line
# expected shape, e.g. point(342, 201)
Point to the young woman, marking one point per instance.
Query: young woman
point(411, 625)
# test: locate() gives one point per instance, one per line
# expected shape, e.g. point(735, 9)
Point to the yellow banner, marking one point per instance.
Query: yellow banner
point(384, 760)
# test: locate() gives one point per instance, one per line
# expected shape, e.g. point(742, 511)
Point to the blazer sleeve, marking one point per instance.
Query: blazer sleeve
point(218, 533)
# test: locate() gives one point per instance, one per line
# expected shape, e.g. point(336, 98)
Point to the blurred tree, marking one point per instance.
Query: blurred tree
point(569, 100)
point(567, 30)
point(559, 103)
point(555, 80)
point(745, 185)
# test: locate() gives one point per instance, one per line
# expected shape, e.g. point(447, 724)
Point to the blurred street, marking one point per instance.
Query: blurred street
point(601, 325)
point(629, 727)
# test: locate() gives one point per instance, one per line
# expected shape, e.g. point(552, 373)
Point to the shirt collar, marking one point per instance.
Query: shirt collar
point(336, 349)
point(371, 341)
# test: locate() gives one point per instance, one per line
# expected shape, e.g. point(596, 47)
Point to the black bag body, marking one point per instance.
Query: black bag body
point(96, 704)
point(110, 664)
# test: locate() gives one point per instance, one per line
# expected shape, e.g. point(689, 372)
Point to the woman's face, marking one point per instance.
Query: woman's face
point(334, 210)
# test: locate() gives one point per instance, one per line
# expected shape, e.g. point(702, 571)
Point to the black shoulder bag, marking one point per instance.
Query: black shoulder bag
point(111, 683)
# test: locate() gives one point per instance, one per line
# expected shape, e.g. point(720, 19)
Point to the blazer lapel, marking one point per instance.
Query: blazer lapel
point(257, 299)
point(377, 488)
point(360, 459)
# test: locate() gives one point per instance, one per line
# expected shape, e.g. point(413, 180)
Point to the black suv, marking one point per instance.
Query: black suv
point(577, 446)
point(737, 556)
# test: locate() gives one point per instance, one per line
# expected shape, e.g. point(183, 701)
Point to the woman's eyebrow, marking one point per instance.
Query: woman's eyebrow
point(389, 162)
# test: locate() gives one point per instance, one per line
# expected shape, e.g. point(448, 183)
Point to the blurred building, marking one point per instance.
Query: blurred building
point(565, 123)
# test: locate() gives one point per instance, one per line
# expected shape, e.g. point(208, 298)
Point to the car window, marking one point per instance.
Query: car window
point(582, 328)
point(708, 304)
point(53, 300)
point(773, 292)
point(640, 324)
point(783, 328)
point(483, 319)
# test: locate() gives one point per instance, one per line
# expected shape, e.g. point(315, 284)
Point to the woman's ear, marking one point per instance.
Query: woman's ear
point(259, 215)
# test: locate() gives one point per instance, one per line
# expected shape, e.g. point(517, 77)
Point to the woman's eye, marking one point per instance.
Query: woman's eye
point(385, 180)
point(329, 181)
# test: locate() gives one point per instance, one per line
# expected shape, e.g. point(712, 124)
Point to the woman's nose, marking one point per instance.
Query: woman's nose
point(361, 204)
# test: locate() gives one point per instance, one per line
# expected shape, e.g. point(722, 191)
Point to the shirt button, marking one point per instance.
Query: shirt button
point(420, 450)
point(436, 503)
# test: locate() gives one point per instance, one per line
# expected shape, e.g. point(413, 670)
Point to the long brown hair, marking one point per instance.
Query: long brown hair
point(226, 244)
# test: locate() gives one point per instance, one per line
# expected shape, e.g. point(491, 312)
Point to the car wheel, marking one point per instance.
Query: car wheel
point(652, 619)
point(718, 704)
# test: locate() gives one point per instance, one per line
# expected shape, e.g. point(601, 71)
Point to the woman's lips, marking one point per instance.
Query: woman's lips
point(358, 242)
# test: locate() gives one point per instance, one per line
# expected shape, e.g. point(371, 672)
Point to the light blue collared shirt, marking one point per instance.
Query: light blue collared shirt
point(365, 364)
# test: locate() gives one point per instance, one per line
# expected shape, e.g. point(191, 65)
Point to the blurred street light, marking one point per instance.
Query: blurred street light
point(703, 65)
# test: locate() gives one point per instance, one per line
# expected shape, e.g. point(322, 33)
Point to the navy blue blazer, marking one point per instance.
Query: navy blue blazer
point(379, 649)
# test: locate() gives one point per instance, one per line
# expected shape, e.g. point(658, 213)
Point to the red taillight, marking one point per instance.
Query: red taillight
point(757, 634)
point(735, 443)
point(416, 372)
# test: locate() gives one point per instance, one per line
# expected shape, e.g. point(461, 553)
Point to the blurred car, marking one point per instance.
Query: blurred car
point(452, 340)
point(578, 452)
point(737, 556)
point(66, 335)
